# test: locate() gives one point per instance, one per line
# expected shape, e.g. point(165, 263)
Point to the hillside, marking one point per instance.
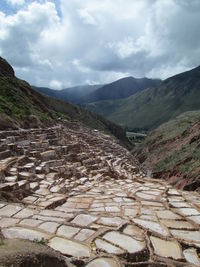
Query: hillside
point(122, 88)
point(71, 94)
point(172, 151)
point(21, 106)
point(154, 106)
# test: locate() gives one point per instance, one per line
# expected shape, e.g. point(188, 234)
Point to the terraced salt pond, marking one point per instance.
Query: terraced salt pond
point(83, 194)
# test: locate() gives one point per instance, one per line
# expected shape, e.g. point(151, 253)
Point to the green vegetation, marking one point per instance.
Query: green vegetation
point(1, 241)
point(17, 102)
point(135, 138)
point(174, 149)
point(41, 241)
point(120, 89)
point(152, 107)
point(13, 101)
point(90, 93)
point(187, 159)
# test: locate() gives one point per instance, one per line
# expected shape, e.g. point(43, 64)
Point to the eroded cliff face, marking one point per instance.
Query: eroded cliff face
point(172, 152)
point(6, 69)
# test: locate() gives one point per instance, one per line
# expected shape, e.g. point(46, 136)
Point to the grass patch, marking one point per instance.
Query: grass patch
point(1, 242)
point(41, 241)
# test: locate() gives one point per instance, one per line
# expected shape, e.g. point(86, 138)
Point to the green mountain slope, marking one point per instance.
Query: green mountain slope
point(21, 106)
point(154, 106)
point(122, 88)
point(172, 151)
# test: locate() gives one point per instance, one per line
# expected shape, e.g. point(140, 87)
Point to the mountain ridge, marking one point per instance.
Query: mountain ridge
point(152, 107)
point(72, 94)
point(121, 88)
point(89, 93)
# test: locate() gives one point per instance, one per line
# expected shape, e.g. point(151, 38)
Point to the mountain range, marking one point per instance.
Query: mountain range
point(72, 94)
point(84, 94)
point(137, 104)
point(120, 89)
point(149, 108)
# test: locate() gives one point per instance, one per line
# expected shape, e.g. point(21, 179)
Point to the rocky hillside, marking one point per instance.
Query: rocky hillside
point(152, 107)
point(172, 151)
point(21, 106)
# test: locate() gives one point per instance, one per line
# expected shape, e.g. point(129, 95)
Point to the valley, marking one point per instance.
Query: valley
point(71, 194)
point(99, 133)
point(151, 107)
point(136, 138)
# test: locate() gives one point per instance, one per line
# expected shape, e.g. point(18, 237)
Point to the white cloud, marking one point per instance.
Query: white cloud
point(125, 48)
point(55, 84)
point(80, 67)
point(99, 41)
point(87, 17)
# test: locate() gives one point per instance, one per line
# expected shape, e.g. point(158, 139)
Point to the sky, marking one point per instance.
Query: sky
point(63, 43)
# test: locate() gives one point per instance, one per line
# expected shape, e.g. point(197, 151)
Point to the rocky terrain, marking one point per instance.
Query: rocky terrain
point(78, 192)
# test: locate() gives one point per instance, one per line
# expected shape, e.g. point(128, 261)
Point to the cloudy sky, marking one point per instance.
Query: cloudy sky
point(61, 43)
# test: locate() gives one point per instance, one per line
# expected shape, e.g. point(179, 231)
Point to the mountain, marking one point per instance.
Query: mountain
point(21, 106)
point(71, 94)
point(172, 151)
point(154, 106)
point(122, 88)
point(90, 93)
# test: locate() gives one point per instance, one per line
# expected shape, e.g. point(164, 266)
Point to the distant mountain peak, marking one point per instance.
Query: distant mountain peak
point(126, 78)
point(191, 74)
point(119, 89)
point(147, 109)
